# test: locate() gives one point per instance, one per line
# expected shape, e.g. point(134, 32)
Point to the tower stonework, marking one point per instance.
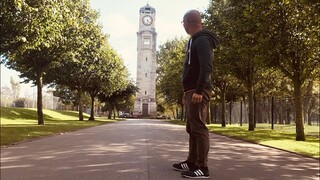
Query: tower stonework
point(145, 101)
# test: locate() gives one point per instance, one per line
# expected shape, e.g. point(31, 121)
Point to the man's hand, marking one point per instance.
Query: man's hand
point(196, 98)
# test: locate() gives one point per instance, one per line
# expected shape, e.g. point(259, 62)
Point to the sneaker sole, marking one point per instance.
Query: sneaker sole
point(197, 177)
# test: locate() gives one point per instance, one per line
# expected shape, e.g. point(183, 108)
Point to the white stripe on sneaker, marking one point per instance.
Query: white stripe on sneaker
point(200, 172)
point(196, 172)
point(184, 166)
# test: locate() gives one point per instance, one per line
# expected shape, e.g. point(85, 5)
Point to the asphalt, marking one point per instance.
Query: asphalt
point(142, 149)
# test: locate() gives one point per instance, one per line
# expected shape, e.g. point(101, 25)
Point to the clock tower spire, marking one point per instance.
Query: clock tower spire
point(145, 101)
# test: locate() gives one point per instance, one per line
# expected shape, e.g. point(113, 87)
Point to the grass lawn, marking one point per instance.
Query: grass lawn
point(282, 137)
point(20, 124)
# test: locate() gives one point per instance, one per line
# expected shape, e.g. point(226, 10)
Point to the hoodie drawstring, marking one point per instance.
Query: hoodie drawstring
point(189, 51)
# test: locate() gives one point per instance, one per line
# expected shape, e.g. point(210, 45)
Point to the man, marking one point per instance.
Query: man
point(197, 93)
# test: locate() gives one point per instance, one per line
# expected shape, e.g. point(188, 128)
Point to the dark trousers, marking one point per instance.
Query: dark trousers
point(196, 127)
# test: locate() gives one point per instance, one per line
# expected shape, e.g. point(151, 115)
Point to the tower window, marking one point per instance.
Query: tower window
point(145, 93)
point(146, 41)
point(146, 58)
point(146, 74)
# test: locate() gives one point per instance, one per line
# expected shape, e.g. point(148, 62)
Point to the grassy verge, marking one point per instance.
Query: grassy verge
point(282, 137)
point(20, 124)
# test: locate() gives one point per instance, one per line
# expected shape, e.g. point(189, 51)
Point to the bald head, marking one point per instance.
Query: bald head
point(192, 21)
point(193, 17)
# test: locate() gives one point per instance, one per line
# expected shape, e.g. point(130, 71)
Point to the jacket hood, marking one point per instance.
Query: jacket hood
point(212, 37)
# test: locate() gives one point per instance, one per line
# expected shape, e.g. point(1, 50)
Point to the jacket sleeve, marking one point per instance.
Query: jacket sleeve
point(204, 52)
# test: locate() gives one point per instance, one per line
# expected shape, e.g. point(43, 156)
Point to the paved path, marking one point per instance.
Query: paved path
point(145, 150)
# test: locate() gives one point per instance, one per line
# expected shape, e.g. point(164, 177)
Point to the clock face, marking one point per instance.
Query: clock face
point(147, 20)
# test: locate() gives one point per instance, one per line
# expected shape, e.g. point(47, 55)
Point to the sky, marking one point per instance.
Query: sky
point(120, 19)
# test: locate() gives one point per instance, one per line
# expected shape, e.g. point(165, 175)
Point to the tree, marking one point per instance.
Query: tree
point(108, 75)
point(125, 102)
point(39, 49)
point(84, 54)
point(120, 98)
point(170, 64)
point(20, 102)
point(261, 34)
point(65, 94)
point(293, 35)
point(238, 25)
point(222, 77)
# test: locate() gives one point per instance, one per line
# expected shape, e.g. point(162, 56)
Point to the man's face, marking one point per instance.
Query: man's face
point(186, 24)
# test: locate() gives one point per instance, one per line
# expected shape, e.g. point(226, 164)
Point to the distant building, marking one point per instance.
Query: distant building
point(145, 102)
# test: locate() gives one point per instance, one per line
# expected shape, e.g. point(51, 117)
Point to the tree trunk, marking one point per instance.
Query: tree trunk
point(308, 103)
point(254, 111)
point(177, 112)
point(209, 113)
point(312, 105)
point(272, 112)
point(80, 105)
point(215, 113)
point(300, 136)
point(240, 120)
point(91, 118)
point(39, 98)
point(174, 116)
point(182, 112)
point(223, 109)
point(251, 107)
point(110, 112)
point(288, 112)
point(230, 112)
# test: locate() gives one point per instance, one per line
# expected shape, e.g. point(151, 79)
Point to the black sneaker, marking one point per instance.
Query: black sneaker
point(199, 173)
point(184, 166)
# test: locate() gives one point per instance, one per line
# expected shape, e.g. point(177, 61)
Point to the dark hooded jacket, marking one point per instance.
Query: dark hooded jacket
point(198, 61)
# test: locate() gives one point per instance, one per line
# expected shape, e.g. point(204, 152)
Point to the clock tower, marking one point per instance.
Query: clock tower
point(145, 101)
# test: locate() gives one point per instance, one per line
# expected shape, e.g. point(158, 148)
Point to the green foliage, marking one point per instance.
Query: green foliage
point(20, 102)
point(14, 18)
point(293, 46)
point(108, 75)
point(60, 42)
point(240, 55)
point(257, 35)
point(293, 38)
point(170, 64)
point(42, 38)
point(170, 59)
point(65, 94)
point(122, 99)
point(40, 47)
